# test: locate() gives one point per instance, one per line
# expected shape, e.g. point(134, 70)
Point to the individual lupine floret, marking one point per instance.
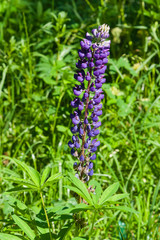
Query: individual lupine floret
point(90, 74)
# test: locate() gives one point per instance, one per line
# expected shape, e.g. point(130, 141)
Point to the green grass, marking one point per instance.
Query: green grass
point(38, 52)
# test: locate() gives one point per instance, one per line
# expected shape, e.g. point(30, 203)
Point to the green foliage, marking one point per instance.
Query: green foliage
point(39, 43)
point(24, 226)
point(96, 200)
point(6, 236)
point(35, 181)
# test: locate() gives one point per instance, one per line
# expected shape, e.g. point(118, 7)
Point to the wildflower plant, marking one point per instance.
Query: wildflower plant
point(87, 105)
point(39, 198)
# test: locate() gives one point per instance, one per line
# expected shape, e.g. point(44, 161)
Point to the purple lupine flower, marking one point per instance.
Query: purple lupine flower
point(85, 118)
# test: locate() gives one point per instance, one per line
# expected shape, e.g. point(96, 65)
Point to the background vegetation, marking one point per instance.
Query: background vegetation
point(38, 51)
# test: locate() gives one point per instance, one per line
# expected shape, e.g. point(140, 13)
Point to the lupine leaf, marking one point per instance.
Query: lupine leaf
point(10, 172)
point(108, 192)
point(78, 208)
point(5, 236)
point(76, 190)
point(20, 189)
point(21, 181)
point(116, 197)
point(53, 178)
point(82, 207)
point(81, 186)
point(123, 208)
point(45, 174)
point(13, 201)
point(24, 227)
point(33, 174)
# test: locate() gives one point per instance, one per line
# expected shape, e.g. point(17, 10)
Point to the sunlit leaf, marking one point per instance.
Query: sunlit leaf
point(81, 186)
point(21, 181)
point(108, 192)
point(52, 179)
point(45, 174)
point(24, 227)
point(5, 236)
point(123, 208)
point(32, 173)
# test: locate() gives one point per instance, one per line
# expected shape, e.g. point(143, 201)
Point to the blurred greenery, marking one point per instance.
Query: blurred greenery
point(38, 51)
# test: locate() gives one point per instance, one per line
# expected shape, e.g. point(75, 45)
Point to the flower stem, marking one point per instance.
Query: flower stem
point(85, 116)
point(86, 111)
point(47, 219)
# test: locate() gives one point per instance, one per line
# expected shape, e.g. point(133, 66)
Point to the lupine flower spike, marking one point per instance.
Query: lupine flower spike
point(90, 74)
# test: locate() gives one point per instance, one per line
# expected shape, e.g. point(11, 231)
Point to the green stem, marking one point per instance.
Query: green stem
point(46, 215)
point(93, 221)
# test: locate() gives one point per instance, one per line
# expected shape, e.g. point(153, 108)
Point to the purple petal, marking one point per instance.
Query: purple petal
point(88, 76)
point(75, 120)
point(93, 157)
point(81, 158)
point(89, 55)
point(86, 145)
point(96, 132)
point(90, 165)
point(98, 113)
point(96, 124)
point(81, 106)
point(90, 173)
point(77, 145)
point(98, 62)
point(81, 131)
point(95, 118)
point(76, 92)
point(90, 106)
point(81, 54)
point(72, 151)
point(70, 144)
point(94, 149)
point(85, 121)
point(74, 129)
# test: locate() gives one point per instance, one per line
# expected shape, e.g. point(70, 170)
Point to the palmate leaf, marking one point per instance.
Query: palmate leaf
point(78, 208)
point(5, 236)
point(116, 197)
point(123, 208)
point(10, 172)
point(45, 174)
point(76, 190)
point(81, 187)
point(20, 189)
point(21, 182)
point(24, 227)
point(108, 193)
point(14, 201)
point(32, 173)
point(81, 207)
point(52, 179)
